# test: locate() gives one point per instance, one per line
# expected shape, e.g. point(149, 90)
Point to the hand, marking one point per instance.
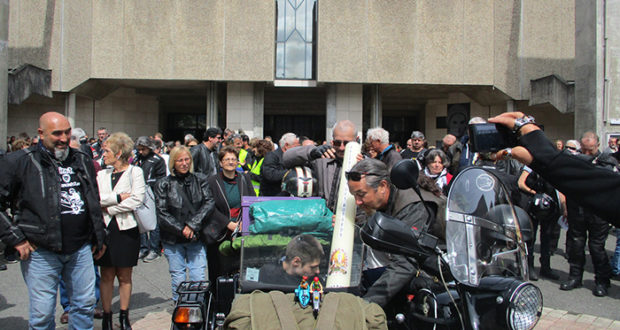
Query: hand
point(232, 225)
point(333, 220)
point(323, 151)
point(508, 119)
point(99, 253)
point(188, 232)
point(24, 249)
point(124, 196)
point(359, 157)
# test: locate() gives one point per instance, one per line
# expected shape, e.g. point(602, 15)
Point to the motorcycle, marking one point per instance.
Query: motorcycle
point(478, 279)
point(475, 280)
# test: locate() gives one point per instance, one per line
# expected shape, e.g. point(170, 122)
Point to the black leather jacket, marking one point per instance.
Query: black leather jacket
point(153, 167)
point(173, 210)
point(204, 159)
point(29, 184)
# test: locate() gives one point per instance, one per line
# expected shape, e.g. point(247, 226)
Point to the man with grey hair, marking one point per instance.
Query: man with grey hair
point(102, 135)
point(584, 225)
point(369, 183)
point(325, 160)
point(379, 140)
point(81, 141)
point(273, 170)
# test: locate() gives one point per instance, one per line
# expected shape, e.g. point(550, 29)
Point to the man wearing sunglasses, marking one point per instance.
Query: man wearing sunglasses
point(325, 160)
point(369, 183)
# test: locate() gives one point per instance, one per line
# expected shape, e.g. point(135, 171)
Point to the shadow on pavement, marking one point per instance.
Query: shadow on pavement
point(14, 322)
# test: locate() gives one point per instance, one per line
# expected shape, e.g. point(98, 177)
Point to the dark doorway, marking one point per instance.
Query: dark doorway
point(400, 127)
point(310, 126)
point(296, 110)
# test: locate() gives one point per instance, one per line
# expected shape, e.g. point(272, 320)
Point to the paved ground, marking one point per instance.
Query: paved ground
point(151, 306)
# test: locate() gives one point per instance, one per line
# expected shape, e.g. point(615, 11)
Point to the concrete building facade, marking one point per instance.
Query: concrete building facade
point(268, 67)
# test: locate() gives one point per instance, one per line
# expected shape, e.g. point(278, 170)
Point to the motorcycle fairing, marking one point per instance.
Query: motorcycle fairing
point(482, 232)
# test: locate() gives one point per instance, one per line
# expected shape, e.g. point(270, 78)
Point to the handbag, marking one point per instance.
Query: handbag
point(145, 214)
point(214, 231)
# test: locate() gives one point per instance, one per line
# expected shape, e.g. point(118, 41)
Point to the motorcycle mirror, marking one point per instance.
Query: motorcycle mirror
point(404, 174)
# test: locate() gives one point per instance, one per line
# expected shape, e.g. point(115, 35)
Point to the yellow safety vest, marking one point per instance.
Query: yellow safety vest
point(242, 155)
point(255, 168)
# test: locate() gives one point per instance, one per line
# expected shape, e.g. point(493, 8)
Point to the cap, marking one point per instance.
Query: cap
point(145, 141)
point(417, 135)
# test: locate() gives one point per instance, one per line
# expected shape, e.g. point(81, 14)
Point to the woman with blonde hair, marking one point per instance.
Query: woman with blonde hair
point(121, 190)
point(183, 204)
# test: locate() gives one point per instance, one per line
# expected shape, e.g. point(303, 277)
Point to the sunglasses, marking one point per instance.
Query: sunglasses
point(356, 176)
point(338, 143)
point(571, 148)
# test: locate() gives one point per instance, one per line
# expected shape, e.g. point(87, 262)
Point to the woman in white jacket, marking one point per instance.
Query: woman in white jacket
point(121, 189)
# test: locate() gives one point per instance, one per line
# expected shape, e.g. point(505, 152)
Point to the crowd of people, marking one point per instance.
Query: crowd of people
point(70, 196)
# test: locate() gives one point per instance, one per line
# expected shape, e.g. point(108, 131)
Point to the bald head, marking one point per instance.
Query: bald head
point(55, 133)
point(52, 118)
point(589, 143)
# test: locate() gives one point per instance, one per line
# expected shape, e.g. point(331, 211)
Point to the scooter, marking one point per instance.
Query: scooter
point(477, 280)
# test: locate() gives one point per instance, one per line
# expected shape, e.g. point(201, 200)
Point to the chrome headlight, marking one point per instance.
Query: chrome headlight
point(525, 307)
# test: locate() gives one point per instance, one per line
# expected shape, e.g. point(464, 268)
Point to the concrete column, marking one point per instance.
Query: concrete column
point(510, 106)
point(344, 101)
point(211, 104)
point(589, 73)
point(244, 107)
point(4, 68)
point(70, 110)
point(258, 109)
point(376, 107)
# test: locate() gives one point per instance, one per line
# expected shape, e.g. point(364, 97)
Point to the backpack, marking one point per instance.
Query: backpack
point(276, 310)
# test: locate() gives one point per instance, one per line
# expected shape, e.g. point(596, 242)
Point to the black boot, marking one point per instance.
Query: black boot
point(545, 269)
point(123, 318)
point(106, 322)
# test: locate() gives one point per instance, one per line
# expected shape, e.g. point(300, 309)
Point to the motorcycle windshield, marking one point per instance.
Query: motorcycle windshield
point(268, 261)
point(482, 234)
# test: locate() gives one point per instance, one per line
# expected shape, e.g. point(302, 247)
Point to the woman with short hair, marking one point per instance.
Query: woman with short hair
point(184, 203)
point(228, 188)
point(121, 190)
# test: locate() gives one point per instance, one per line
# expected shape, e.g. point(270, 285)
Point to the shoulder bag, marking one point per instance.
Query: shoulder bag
point(145, 214)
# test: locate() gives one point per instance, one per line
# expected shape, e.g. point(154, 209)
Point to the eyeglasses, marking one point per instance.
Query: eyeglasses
point(338, 143)
point(183, 160)
point(356, 176)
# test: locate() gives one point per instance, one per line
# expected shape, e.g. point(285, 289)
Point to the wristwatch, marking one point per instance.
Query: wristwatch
point(520, 122)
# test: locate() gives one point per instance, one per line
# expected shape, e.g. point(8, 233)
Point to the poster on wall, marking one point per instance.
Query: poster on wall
point(458, 116)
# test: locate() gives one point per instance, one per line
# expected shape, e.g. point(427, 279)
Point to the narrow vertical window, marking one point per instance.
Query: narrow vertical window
point(295, 39)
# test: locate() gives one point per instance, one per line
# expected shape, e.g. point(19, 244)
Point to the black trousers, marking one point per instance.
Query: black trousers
point(582, 226)
point(546, 223)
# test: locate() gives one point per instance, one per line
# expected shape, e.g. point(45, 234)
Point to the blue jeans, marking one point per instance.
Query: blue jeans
point(182, 256)
point(615, 260)
point(64, 297)
point(149, 241)
point(42, 273)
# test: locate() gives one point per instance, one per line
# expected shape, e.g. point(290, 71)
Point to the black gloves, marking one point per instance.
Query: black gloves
point(318, 152)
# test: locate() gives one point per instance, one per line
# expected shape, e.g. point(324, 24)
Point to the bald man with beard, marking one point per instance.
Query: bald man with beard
point(57, 223)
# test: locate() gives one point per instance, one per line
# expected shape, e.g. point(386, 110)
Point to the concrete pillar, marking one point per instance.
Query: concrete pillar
point(344, 101)
point(211, 104)
point(376, 107)
point(70, 110)
point(4, 68)
point(589, 68)
point(259, 110)
point(244, 107)
point(510, 106)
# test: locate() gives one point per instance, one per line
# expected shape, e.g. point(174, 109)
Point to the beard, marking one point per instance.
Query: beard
point(61, 154)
